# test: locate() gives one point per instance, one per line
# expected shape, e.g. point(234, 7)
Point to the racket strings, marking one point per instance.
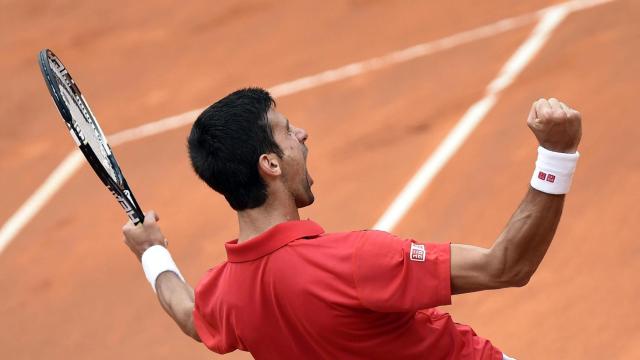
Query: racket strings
point(84, 124)
point(85, 130)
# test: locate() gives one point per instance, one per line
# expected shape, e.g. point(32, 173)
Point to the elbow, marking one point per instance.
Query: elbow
point(189, 329)
point(520, 275)
point(521, 278)
point(513, 278)
point(506, 273)
point(192, 333)
point(186, 323)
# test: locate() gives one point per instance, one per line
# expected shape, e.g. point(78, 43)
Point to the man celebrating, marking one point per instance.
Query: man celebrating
point(288, 290)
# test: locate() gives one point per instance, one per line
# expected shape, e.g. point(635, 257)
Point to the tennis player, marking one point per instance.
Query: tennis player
point(290, 290)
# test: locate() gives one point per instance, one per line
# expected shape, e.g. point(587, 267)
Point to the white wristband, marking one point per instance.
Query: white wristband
point(554, 171)
point(156, 260)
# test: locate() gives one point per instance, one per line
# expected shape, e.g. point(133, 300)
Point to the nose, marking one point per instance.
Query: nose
point(301, 135)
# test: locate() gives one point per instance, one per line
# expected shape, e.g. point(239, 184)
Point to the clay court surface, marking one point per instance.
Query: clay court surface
point(72, 290)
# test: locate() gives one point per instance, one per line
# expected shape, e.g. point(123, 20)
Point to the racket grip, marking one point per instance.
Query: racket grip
point(138, 218)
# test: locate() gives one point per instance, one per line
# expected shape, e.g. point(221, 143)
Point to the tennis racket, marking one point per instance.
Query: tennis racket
point(86, 132)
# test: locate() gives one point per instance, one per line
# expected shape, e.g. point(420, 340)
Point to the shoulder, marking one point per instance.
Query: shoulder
point(379, 238)
point(357, 235)
point(355, 239)
point(211, 279)
point(376, 244)
point(350, 244)
point(346, 241)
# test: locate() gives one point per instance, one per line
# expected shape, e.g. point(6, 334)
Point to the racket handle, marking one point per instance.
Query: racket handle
point(138, 217)
point(129, 205)
point(135, 213)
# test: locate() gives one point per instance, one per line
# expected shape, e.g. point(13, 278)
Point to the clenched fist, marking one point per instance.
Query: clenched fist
point(140, 238)
point(556, 126)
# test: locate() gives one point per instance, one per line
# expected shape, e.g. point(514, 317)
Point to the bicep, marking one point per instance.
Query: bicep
point(473, 269)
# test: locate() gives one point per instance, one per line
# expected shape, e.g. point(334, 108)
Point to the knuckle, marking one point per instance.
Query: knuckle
point(575, 114)
point(537, 125)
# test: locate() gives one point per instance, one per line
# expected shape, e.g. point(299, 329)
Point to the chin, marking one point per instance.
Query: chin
point(306, 201)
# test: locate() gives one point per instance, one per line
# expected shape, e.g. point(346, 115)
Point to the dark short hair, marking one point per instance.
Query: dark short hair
point(226, 142)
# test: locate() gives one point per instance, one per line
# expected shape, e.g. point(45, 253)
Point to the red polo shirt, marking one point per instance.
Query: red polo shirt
point(294, 292)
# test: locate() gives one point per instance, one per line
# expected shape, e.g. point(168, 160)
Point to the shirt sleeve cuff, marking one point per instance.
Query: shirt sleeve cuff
point(204, 331)
point(442, 255)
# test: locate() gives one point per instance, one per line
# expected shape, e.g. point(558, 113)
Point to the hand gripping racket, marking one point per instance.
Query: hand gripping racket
point(86, 132)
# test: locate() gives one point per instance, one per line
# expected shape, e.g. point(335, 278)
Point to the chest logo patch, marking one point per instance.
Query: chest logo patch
point(418, 252)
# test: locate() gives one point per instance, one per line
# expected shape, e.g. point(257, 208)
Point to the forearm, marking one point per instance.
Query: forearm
point(148, 243)
point(524, 241)
point(177, 299)
point(518, 251)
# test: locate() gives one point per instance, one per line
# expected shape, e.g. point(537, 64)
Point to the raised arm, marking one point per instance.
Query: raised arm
point(521, 246)
point(174, 294)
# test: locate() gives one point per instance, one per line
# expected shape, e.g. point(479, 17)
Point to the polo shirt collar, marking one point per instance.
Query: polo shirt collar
point(271, 240)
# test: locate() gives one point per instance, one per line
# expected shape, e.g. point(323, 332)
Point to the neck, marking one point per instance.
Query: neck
point(253, 222)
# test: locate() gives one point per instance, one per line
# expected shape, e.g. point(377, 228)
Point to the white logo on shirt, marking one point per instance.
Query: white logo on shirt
point(417, 253)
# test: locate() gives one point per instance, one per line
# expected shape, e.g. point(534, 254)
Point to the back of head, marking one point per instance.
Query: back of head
point(226, 142)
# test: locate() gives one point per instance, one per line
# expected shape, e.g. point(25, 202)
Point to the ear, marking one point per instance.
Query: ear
point(269, 165)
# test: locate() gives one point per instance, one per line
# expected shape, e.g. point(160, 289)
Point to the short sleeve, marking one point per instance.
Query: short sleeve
point(208, 321)
point(393, 274)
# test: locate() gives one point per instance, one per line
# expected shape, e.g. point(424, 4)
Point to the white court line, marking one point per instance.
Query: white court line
point(73, 161)
point(30, 208)
point(474, 115)
point(551, 18)
point(343, 72)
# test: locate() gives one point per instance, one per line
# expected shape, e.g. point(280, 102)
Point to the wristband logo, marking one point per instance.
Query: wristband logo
point(546, 177)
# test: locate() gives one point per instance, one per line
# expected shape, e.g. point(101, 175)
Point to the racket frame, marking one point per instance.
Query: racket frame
point(118, 187)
